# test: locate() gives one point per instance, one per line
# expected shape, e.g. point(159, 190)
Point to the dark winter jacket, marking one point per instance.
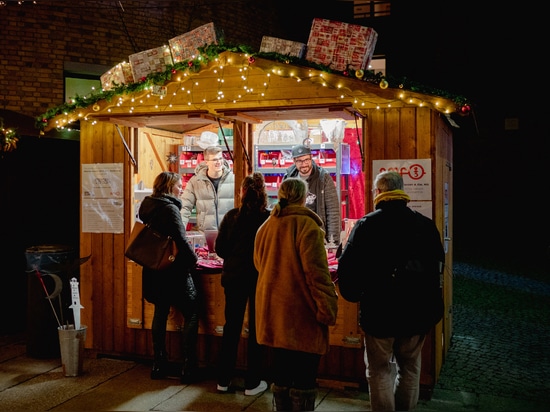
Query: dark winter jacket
point(391, 264)
point(322, 186)
point(173, 284)
point(235, 244)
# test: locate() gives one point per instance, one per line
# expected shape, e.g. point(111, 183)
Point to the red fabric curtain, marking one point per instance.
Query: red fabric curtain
point(356, 178)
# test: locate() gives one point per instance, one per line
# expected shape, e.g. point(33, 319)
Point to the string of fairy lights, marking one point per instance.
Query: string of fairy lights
point(177, 86)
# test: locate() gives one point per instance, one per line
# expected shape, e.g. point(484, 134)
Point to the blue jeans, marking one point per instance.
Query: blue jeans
point(393, 372)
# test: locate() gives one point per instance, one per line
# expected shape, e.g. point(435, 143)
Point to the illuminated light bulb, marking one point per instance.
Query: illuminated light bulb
point(410, 100)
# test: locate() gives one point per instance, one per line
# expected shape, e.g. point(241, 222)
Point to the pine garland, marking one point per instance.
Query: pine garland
point(211, 52)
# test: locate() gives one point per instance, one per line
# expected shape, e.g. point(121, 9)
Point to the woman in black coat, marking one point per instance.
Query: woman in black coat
point(173, 286)
point(235, 244)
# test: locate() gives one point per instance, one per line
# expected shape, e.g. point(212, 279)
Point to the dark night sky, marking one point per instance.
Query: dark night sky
point(487, 54)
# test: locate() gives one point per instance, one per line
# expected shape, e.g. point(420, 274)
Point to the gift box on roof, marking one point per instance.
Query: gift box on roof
point(150, 61)
point(120, 74)
point(185, 46)
point(281, 46)
point(339, 45)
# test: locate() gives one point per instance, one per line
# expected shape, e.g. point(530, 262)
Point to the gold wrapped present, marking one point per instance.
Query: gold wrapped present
point(150, 61)
point(120, 74)
point(281, 46)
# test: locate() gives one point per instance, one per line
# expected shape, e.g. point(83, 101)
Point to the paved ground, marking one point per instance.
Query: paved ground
point(501, 335)
point(498, 361)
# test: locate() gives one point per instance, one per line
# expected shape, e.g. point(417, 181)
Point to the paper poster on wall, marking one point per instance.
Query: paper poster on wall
point(417, 175)
point(102, 198)
point(424, 207)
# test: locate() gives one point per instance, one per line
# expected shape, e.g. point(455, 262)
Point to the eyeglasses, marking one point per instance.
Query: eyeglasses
point(217, 159)
point(302, 161)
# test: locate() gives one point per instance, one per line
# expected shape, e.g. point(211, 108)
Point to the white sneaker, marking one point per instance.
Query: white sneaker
point(222, 388)
point(258, 389)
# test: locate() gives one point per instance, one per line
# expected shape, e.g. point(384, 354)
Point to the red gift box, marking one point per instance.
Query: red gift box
point(185, 46)
point(281, 46)
point(339, 45)
point(120, 74)
point(150, 61)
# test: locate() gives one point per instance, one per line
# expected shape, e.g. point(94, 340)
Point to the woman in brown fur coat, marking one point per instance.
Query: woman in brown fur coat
point(296, 300)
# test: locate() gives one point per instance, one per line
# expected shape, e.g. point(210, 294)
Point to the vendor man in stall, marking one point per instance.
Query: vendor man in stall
point(322, 197)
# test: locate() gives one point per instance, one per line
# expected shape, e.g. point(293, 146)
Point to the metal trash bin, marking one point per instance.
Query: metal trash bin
point(49, 269)
point(71, 342)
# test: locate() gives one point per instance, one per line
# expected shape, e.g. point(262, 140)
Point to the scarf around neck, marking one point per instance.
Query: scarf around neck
point(391, 195)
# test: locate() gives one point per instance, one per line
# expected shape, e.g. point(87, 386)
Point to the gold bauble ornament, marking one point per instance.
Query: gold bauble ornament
point(96, 107)
point(359, 74)
point(384, 84)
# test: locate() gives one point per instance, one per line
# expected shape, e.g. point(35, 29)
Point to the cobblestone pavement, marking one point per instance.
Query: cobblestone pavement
point(501, 334)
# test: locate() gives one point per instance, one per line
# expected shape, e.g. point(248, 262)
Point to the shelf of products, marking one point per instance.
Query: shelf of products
point(273, 161)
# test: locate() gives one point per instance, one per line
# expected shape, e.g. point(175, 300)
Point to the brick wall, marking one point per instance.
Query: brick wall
point(37, 41)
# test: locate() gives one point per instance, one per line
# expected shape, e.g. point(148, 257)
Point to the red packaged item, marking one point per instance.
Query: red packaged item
point(339, 45)
point(185, 46)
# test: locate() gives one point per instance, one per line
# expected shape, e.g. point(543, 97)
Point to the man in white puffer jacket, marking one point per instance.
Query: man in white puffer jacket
point(211, 190)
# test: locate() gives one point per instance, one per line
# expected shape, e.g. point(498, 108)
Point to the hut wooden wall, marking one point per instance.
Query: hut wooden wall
point(106, 279)
point(419, 133)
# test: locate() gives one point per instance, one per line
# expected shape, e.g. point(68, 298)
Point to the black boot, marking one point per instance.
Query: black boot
point(281, 398)
point(303, 399)
point(160, 366)
point(189, 372)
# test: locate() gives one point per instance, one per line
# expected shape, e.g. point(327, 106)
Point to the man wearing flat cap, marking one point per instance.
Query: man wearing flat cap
point(322, 197)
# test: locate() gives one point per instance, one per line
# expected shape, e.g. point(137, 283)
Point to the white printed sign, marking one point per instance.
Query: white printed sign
point(102, 198)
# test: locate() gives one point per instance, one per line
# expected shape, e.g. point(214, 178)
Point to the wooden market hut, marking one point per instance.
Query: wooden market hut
point(140, 130)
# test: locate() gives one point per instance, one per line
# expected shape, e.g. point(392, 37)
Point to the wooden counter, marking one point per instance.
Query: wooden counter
point(342, 366)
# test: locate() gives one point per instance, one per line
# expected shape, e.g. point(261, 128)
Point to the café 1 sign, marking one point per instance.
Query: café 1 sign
point(417, 179)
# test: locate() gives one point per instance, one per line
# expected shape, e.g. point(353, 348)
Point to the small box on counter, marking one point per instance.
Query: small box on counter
point(185, 46)
point(340, 45)
point(281, 46)
point(120, 74)
point(150, 61)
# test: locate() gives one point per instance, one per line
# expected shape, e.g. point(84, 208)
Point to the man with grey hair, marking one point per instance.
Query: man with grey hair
point(391, 264)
